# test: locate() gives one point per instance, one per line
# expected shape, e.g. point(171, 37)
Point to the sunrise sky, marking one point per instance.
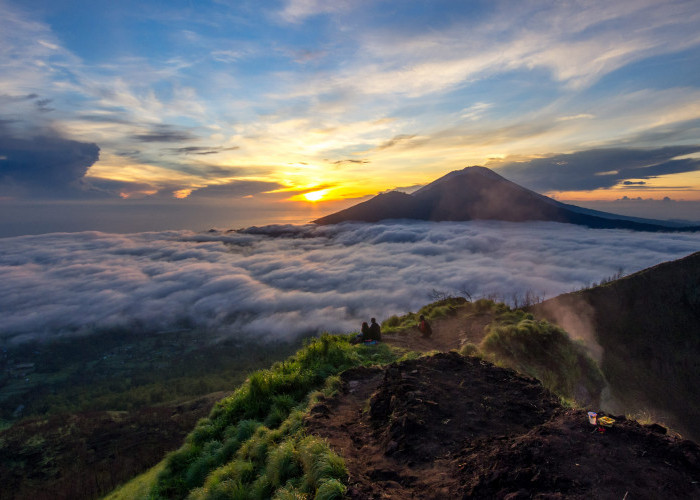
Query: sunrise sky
point(143, 115)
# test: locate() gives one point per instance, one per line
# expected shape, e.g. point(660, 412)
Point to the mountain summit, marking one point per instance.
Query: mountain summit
point(478, 193)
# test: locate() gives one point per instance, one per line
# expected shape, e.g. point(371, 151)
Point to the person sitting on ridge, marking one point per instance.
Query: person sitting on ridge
point(365, 331)
point(424, 327)
point(375, 331)
point(363, 336)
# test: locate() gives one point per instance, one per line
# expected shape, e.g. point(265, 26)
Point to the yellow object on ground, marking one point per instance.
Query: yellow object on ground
point(606, 421)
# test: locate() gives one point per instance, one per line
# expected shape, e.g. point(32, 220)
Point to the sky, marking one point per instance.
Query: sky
point(281, 281)
point(140, 116)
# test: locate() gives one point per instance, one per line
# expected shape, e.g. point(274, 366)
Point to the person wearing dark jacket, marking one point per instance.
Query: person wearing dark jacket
point(365, 332)
point(363, 336)
point(375, 331)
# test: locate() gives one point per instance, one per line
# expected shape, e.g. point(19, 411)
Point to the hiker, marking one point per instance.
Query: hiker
point(375, 331)
point(424, 327)
point(363, 336)
point(365, 331)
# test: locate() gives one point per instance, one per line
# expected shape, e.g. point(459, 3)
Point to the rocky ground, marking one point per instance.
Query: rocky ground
point(447, 426)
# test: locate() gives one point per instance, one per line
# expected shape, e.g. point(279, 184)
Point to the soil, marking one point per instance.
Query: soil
point(448, 426)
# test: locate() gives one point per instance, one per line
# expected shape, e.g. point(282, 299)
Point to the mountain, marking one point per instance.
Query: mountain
point(477, 193)
point(648, 327)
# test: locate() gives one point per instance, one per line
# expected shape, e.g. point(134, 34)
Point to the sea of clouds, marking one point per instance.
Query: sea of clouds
point(280, 281)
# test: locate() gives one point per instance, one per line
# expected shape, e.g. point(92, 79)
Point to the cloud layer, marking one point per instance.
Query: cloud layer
point(280, 281)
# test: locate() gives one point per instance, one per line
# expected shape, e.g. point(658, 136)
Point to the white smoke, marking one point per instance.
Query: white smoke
point(280, 281)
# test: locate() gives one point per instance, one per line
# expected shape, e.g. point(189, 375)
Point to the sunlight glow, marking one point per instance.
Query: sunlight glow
point(314, 196)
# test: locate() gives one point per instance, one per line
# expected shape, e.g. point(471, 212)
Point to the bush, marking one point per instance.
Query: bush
point(469, 349)
point(544, 351)
point(331, 489)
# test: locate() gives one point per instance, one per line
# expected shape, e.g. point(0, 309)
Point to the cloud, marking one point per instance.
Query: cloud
point(201, 150)
point(296, 11)
point(279, 281)
point(352, 161)
point(164, 133)
point(44, 163)
point(236, 189)
point(599, 168)
point(396, 140)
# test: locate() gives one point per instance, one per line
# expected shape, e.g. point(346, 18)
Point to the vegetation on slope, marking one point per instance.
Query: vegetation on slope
point(253, 445)
point(514, 339)
point(442, 308)
point(122, 370)
point(544, 351)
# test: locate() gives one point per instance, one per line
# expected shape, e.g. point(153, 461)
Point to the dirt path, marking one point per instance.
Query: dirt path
point(401, 429)
point(448, 333)
point(448, 426)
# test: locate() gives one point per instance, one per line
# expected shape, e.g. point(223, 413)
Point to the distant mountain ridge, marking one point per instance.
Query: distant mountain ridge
point(478, 193)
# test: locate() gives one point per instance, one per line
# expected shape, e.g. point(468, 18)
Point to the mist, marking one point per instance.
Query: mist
point(277, 282)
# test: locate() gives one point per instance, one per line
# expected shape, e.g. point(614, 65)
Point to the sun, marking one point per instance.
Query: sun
point(315, 195)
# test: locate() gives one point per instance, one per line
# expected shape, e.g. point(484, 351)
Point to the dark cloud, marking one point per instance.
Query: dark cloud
point(113, 188)
point(164, 133)
point(633, 183)
point(235, 189)
point(43, 163)
point(5, 98)
point(106, 118)
point(201, 150)
point(134, 153)
point(43, 105)
point(283, 280)
point(677, 132)
point(599, 168)
point(398, 139)
point(358, 162)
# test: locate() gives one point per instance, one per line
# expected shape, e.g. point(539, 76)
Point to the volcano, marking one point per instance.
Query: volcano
point(478, 193)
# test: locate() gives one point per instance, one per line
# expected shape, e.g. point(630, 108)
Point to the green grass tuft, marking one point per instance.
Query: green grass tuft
point(331, 489)
point(544, 351)
point(253, 444)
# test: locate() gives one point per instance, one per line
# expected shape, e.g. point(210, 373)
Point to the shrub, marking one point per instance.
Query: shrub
point(283, 464)
point(469, 349)
point(331, 489)
point(544, 351)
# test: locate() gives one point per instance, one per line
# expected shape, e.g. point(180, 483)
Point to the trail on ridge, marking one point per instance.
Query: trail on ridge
point(448, 426)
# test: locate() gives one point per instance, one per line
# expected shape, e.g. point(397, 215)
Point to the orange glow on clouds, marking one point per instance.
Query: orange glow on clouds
point(182, 193)
point(315, 196)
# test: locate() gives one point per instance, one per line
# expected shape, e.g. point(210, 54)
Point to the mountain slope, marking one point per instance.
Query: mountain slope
point(448, 426)
point(648, 326)
point(477, 193)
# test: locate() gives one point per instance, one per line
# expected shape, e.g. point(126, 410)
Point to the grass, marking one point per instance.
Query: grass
point(138, 488)
point(253, 446)
point(438, 309)
point(544, 351)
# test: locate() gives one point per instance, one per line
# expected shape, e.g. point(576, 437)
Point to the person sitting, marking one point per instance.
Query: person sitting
point(364, 334)
point(365, 331)
point(424, 327)
point(375, 331)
